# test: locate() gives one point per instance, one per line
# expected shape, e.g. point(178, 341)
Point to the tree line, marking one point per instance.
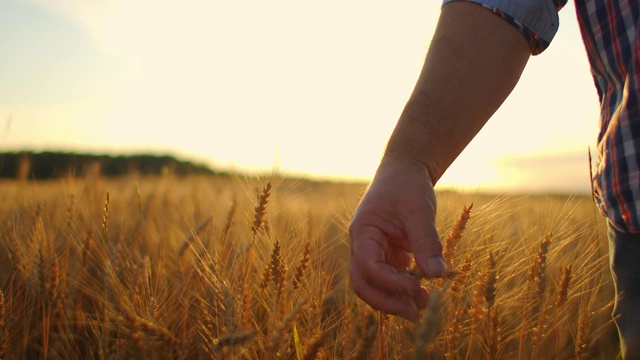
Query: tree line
point(52, 165)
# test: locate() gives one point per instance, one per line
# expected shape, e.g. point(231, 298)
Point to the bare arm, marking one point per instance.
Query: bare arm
point(474, 61)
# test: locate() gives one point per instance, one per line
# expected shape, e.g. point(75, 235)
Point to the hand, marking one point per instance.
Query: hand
point(395, 220)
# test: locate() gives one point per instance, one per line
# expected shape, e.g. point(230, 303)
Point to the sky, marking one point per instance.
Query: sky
point(312, 88)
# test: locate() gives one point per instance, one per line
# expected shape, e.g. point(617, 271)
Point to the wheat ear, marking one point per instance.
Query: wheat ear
point(105, 219)
point(258, 221)
point(453, 238)
point(300, 269)
point(261, 209)
point(538, 275)
point(584, 325)
point(314, 346)
point(563, 288)
point(278, 272)
point(490, 280)
point(232, 340)
point(561, 299)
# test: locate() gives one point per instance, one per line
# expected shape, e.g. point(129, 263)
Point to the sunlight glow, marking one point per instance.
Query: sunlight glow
point(311, 87)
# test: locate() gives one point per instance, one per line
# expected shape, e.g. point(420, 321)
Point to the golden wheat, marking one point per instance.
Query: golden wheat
point(454, 236)
point(154, 285)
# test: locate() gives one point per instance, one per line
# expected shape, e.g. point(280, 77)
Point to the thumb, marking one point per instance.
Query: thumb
point(427, 248)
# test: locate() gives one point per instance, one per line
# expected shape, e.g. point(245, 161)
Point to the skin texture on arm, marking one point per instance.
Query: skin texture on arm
point(474, 61)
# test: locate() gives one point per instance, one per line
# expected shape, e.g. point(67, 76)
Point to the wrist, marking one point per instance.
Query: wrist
point(393, 161)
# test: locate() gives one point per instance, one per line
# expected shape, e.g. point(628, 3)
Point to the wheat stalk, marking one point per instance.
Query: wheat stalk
point(459, 281)
point(4, 332)
point(494, 338)
point(429, 327)
point(193, 235)
point(282, 329)
point(259, 218)
point(483, 298)
point(365, 346)
point(86, 249)
point(139, 198)
point(452, 336)
point(452, 332)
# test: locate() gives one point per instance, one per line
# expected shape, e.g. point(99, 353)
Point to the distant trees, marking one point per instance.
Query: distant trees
point(51, 165)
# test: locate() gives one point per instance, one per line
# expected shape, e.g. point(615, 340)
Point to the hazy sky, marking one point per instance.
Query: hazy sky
point(312, 87)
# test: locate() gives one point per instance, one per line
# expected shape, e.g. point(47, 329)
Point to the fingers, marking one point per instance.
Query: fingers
point(427, 248)
point(398, 257)
point(379, 283)
point(368, 251)
point(390, 303)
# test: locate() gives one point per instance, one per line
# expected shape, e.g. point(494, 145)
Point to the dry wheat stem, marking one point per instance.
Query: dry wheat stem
point(428, 329)
point(494, 338)
point(365, 346)
point(193, 235)
point(4, 332)
point(282, 329)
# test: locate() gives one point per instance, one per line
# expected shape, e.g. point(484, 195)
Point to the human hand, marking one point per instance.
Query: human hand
point(395, 220)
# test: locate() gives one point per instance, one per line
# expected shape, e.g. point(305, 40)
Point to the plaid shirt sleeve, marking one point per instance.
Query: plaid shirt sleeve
point(537, 20)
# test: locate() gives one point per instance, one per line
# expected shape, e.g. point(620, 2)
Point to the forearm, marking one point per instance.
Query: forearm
point(474, 61)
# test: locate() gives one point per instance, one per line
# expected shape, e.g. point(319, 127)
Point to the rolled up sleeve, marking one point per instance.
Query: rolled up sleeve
point(537, 20)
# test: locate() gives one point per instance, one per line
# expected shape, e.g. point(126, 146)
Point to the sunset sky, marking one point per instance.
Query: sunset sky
point(312, 87)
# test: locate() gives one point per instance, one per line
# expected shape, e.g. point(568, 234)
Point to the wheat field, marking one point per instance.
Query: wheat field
point(206, 267)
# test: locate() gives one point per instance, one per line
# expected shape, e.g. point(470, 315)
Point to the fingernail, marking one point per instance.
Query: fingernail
point(435, 267)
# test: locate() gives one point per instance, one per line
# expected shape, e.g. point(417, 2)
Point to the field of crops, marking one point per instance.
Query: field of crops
point(231, 268)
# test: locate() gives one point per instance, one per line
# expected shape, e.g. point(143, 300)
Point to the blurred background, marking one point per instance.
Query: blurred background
point(311, 88)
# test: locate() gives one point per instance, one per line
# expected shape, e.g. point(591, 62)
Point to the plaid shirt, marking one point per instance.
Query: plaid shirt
point(611, 34)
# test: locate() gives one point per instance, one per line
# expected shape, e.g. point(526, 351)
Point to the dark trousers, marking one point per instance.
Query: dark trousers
point(624, 256)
